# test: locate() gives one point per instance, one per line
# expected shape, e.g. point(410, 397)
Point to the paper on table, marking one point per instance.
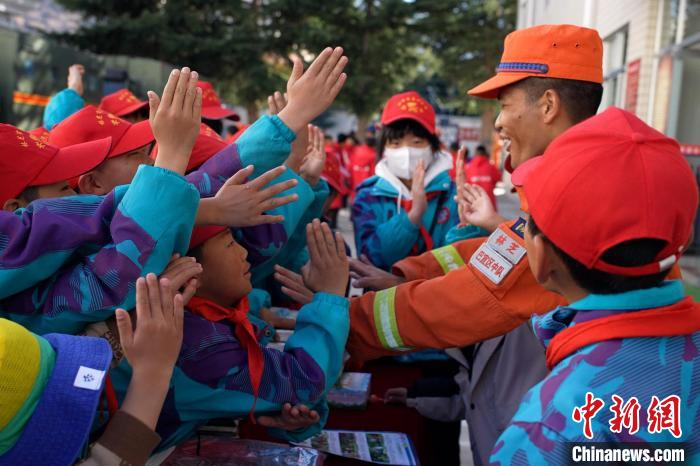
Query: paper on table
point(388, 448)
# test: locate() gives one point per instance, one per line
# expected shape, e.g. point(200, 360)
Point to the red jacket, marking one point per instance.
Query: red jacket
point(362, 161)
point(482, 172)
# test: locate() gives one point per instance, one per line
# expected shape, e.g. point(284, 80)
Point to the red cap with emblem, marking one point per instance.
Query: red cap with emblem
point(212, 108)
point(27, 161)
point(91, 123)
point(608, 180)
point(122, 103)
point(409, 105)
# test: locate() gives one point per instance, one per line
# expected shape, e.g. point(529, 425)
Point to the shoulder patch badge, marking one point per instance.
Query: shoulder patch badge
point(519, 227)
point(498, 255)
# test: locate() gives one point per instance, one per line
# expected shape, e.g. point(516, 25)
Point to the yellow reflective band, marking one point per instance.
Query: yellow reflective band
point(385, 320)
point(448, 257)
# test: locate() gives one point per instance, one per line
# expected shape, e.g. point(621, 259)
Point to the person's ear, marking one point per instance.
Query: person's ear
point(540, 258)
point(550, 105)
point(13, 204)
point(90, 183)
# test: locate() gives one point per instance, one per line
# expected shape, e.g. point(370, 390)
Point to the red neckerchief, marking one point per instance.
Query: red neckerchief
point(407, 204)
point(244, 331)
point(682, 318)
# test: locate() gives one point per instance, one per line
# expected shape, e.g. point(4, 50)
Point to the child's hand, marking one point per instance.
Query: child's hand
point(476, 208)
point(293, 285)
point(276, 102)
point(276, 321)
point(315, 160)
point(367, 276)
point(75, 78)
point(328, 269)
point(291, 418)
point(242, 203)
point(418, 195)
point(181, 272)
point(309, 94)
point(175, 119)
point(152, 348)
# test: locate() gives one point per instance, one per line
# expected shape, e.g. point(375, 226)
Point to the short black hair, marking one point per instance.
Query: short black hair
point(627, 254)
point(581, 99)
point(481, 150)
point(401, 128)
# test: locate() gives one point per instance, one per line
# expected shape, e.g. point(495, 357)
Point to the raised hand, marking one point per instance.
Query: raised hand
point(419, 198)
point(152, 347)
point(241, 203)
point(315, 160)
point(477, 208)
point(367, 276)
point(75, 78)
point(181, 273)
point(310, 93)
point(459, 181)
point(328, 268)
point(291, 418)
point(293, 285)
point(175, 118)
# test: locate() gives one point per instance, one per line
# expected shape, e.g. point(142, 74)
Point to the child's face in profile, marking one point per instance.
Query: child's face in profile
point(226, 276)
point(120, 170)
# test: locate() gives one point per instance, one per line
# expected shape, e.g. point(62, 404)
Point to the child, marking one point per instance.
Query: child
point(32, 169)
point(131, 147)
point(624, 354)
point(141, 238)
point(408, 207)
point(222, 369)
point(124, 104)
point(68, 101)
point(53, 384)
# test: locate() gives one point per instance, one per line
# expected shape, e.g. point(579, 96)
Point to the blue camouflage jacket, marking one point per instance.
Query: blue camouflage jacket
point(544, 426)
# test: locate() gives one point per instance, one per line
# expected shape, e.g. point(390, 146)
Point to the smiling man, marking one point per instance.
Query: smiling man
point(481, 290)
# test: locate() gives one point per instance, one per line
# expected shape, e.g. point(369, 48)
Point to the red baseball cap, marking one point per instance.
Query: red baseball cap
point(41, 133)
point(560, 51)
point(121, 103)
point(27, 161)
point(607, 180)
point(92, 123)
point(207, 145)
point(409, 105)
point(212, 108)
point(202, 234)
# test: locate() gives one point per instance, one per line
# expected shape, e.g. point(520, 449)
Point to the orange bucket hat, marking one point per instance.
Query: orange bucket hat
point(560, 51)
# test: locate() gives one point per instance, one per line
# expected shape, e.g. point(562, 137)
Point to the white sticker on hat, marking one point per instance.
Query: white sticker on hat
point(506, 246)
point(490, 263)
point(89, 378)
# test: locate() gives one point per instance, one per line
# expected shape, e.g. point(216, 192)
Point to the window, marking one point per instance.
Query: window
point(615, 59)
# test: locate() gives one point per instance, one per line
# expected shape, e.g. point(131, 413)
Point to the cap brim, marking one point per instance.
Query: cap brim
point(521, 174)
point(137, 136)
point(490, 88)
point(131, 109)
point(219, 113)
point(72, 161)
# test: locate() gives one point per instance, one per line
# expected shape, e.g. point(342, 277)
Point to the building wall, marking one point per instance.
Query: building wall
point(608, 17)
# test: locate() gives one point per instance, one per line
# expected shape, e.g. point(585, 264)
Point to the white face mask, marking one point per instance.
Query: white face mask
point(403, 161)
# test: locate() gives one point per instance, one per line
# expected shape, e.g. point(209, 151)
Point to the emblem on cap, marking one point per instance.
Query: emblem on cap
point(412, 104)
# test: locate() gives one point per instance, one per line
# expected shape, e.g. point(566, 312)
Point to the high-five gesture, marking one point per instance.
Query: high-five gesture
point(175, 118)
point(315, 159)
point(328, 268)
point(310, 93)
